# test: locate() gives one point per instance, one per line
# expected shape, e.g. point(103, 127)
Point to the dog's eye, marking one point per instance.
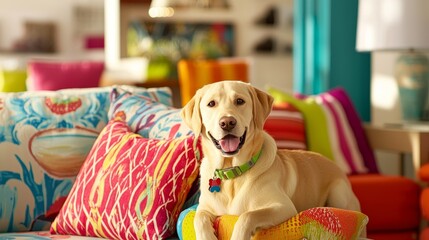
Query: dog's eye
point(211, 104)
point(239, 101)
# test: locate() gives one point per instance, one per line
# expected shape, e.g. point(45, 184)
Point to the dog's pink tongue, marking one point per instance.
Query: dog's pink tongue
point(229, 143)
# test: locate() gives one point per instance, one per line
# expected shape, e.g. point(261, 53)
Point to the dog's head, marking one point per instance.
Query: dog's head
point(227, 113)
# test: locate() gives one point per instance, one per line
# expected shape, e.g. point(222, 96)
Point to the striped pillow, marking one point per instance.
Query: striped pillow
point(286, 125)
point(194, 74)
point(334, 129)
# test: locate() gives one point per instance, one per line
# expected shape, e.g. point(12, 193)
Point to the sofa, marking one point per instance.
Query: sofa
point(69, 153)
point(424, 200)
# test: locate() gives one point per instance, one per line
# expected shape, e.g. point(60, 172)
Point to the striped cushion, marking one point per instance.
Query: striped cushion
point(334, 129)
point(286, 125)
point(194, 74)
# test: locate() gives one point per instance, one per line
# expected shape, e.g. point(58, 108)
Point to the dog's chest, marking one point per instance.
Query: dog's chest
point(231, 199)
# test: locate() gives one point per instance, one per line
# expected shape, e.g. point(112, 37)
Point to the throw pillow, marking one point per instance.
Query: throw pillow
point(45, 137)
point(334, 129)
point(130, 187)
point(286, 125)
point(148, 117)
point(41, 235)
point(43, 75)
point(13, 80)
point(314, 223)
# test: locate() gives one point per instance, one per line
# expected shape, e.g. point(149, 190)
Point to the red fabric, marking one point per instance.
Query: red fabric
point(424, 203)
point(293, 136)
point(424, 200)
point(391, 202)
point(424, 235)
point(405, 235)
point(424, 173)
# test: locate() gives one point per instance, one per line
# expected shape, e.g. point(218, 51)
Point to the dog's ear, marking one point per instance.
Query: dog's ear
point(262, 105)
point(191, 115)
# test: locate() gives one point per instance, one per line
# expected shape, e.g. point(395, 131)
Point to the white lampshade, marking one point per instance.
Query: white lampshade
point(393, 25)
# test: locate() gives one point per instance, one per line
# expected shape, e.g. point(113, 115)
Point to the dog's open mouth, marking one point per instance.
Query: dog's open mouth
point(229, 144)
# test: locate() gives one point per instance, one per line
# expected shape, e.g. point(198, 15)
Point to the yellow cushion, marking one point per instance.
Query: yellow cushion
point(13, 80)
point(314, 223)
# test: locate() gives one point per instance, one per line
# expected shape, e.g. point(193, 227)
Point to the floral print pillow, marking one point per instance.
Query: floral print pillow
point(149, 118)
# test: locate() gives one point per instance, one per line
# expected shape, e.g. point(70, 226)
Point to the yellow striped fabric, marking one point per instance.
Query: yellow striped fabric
point(194, 74)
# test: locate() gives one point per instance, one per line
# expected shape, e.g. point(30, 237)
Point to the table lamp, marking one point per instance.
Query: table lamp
point(400, 25)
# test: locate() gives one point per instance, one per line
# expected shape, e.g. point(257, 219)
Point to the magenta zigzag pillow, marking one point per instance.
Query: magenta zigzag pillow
point(130, 187)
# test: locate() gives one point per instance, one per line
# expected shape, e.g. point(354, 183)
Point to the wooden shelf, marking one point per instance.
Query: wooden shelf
point(147, 2)
point(172, 83)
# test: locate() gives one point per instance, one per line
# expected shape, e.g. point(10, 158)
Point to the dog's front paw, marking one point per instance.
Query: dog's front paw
point(203, 224)
point(238, 235)
point(241, 230)
point(204, 235)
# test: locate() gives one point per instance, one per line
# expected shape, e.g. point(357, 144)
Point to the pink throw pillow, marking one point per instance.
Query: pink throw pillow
point(61, 75)
point(130, 187)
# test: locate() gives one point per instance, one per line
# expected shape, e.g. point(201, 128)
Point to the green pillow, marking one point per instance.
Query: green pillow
point(315, 121)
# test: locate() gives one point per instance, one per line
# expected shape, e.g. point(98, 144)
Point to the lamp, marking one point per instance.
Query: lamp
point(165, 8)
point(162, 8)
point(400, 25)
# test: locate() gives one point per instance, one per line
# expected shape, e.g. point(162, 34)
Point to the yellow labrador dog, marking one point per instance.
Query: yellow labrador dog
point(243, 173)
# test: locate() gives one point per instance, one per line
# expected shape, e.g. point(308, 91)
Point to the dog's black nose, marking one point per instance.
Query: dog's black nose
point(227, 123)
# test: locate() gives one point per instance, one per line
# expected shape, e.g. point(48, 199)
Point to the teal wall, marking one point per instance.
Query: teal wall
point(325, 55)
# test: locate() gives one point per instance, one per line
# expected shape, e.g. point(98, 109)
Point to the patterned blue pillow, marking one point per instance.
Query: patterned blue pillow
point(44, 139)
point(149, 118)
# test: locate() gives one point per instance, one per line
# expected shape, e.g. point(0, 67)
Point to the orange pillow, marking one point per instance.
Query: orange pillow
point(424, 173)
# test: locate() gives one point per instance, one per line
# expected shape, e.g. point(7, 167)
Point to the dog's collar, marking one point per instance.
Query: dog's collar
point(233, 172)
